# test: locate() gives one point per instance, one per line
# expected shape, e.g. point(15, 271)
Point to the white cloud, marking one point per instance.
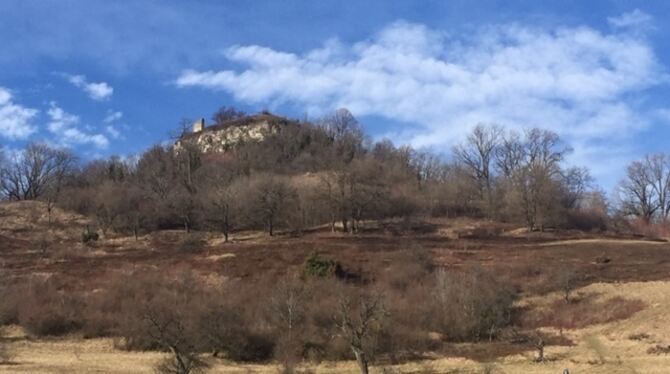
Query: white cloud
point(636, 18)
point(65, 126)
point(113, 132)
point(15, 119)
point(576, 81)
point(97, 91)
point(112, 116)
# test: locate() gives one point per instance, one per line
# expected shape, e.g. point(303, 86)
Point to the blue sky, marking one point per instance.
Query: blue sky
point(113, 77)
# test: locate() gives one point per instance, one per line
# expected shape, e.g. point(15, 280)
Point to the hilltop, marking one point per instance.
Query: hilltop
point(226, 135)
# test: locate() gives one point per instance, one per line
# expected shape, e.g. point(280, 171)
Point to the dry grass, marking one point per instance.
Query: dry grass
point(29, 219)
point(520, 259)
point(582, 311)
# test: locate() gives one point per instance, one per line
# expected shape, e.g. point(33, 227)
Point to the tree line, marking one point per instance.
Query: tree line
point(328, 172)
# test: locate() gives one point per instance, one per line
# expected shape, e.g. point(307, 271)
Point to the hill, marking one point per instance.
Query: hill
point(607, 271)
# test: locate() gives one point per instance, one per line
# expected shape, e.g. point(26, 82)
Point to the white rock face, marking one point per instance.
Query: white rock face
point(223, 140)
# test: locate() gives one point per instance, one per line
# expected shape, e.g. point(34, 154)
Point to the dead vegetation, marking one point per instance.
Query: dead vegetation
point(274, 300)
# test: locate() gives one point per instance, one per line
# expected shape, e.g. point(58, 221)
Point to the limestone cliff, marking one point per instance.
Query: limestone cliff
point(223, 137)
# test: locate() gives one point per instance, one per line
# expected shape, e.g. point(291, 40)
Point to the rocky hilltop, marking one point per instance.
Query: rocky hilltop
point(225, 136)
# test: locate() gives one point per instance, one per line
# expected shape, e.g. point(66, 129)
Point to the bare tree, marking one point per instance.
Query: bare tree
point(565, 278)
point(510, 154)
point(577, 182)
point(637, 193)
point(36, 172)
point(133, 215)
point(358, 318)
point(345, 132)
point(477, 155)
point(270, 197)
point(183, 200)
point(659, 175)
point(227, 113)
point(220, 197)
point(532, 170)
point(288, 309)
point(169, 332)
point(155, 172)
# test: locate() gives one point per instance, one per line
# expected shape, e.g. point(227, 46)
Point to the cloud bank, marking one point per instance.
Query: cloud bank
point(15, 120)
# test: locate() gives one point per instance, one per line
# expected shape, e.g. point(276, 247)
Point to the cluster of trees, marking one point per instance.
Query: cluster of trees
point(521, 177)
point(645, 190)
point(322, 172)
point(291, 319)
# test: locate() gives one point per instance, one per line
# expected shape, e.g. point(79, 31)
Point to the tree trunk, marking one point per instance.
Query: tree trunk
point(49, 209)
point(226, 228)
point(361, 360)
point(540, 350)
point(181, 366)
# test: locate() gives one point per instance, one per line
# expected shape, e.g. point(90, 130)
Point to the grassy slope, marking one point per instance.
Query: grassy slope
point(517, 257)
point(605, 348)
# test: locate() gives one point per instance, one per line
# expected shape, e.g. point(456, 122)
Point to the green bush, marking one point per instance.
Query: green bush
point(316, 266)
point(89, 236)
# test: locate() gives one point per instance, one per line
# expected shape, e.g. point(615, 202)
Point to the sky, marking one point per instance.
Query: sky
point(114, 77)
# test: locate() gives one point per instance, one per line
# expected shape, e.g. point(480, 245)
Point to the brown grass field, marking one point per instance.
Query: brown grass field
point(609, 266)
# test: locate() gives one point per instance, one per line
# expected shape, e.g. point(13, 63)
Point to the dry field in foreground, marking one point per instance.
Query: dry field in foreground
point(624, 346)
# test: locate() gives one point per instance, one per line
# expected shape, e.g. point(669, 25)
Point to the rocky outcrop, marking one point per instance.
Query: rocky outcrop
point(226, 136)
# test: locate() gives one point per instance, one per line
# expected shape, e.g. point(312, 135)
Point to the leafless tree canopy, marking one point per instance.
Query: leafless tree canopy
point(328, 172)
point(227, 113)
point(645, 191)
point(357, 317)
point(39, 170)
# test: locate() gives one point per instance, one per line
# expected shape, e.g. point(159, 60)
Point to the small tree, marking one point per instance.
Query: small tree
point(271, 197)
point(566, 279)
point(287, 311)
point(227, 113)
point(359, 316)
point(167, 321)
point(168, 331)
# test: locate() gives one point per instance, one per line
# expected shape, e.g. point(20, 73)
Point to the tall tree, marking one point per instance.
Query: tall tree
point(36, 171)
point(477, 155)
point(645, 190)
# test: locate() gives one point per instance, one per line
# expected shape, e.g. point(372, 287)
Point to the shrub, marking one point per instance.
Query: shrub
point(316, 266)
point(9, 304)
point(470, 305)
point(190, 243)
point(89, 236)
point(44, 310)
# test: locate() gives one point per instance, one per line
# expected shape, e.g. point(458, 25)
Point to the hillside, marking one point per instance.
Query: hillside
point(636, 271)
point(633, 345)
